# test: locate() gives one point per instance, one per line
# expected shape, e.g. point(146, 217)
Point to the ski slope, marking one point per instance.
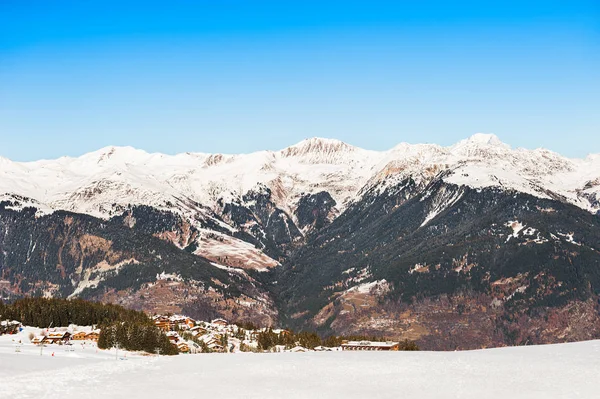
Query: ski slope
point(552, 371)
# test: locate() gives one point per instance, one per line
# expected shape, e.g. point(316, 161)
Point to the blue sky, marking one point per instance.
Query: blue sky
point(241, 76)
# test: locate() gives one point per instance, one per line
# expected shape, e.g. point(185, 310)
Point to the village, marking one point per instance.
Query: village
point(190, 336)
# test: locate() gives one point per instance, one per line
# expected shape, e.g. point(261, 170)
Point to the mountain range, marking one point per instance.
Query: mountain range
point(473, 245)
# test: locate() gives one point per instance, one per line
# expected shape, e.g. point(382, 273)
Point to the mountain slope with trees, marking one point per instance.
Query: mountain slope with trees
point(475, 244)
point(492, 268)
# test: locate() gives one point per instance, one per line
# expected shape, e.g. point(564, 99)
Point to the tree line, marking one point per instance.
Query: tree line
point(57, 312)
point(135, 336)
point(268, 339)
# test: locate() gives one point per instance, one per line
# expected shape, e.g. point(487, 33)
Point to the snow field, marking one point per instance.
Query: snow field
point(551, 371)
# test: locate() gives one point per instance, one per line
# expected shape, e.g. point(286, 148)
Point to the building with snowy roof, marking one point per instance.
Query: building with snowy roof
point(370, 346)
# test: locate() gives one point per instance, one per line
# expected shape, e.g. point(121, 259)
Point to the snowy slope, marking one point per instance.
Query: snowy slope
point(199, 186)
point(484, 161)
point(101, 183)
point(552, 371)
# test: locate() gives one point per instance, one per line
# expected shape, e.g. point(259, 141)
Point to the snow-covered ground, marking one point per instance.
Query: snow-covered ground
point(552, 371)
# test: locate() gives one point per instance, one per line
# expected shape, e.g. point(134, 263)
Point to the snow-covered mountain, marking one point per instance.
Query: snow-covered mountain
point(406, 242)
point(102, 182)
point(205, 188)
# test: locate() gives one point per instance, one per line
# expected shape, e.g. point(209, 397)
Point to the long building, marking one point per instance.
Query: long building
point(370, 346)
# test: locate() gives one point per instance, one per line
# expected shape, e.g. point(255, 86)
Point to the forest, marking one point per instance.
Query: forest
point(128, 329)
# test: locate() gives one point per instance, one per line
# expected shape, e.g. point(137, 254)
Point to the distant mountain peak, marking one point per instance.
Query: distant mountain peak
point(485, 138)
point(133, 176)
point(317, 147)
point(116, 154)
point(482, 140)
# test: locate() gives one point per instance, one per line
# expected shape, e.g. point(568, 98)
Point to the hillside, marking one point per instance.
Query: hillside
point(492, 268)
point(472, 245)
point(64, 254)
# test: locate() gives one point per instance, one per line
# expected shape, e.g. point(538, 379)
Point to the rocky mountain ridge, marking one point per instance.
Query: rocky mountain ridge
point(410, 242)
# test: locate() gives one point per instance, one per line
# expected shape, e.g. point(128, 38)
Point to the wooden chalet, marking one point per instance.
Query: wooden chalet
point(213, 342)
point(93, 336)
point(198, 330)
point(173, 337)
point(79, 336)
point(215, 347)
point(58, 337)
point(172, 323)
point(182, 322)
point(9, 327)
point(220, 322)
point(183, 347)
point(39, 340)
point(163, 323)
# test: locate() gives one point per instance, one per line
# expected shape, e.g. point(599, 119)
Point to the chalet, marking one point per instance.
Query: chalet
point(213, 343)
point(173, 323)
point(215, 347)
point(198, 330)
point(9, 327)
point(181, 322)
point(79, 336)
point(370, 346)
point(183, 347)
point(58, 337)
point(39, 340)
point(173, 337)
point(220, 322)
point(93, 336)
point(162, 322)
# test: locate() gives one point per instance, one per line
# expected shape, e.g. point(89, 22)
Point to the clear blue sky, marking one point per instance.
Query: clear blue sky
point(240, 76)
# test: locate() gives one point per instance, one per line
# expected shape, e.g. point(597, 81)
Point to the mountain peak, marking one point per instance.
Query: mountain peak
point(480, 143)
point(317, 146)
point(125, 154)
point(485, 138)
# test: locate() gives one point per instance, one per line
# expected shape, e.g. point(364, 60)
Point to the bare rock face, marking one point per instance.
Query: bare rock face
point(318, 150)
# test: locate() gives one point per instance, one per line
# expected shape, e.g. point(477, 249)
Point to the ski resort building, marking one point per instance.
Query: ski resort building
point(79, 336)
point(220, 322)
point(58, 337)
point(9, 327)
point(38, 340)
point(93, 336)
point(173, 323)
point(370, 346)
point(162, 322)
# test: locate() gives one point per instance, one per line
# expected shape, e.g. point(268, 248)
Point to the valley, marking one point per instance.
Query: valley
point(462, 247)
